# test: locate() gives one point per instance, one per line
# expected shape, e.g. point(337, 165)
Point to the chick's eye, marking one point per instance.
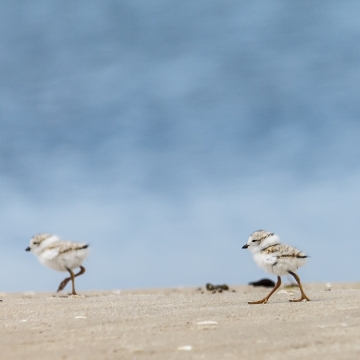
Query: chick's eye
point(36, 243)
point(254, 241)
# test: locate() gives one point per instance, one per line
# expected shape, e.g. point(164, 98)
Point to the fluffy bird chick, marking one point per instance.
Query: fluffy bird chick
point(59, 255)
point(275, 258)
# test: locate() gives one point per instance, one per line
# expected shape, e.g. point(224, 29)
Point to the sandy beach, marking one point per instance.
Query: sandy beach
point(182, 323)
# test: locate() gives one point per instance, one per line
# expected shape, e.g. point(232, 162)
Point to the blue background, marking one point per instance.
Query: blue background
point(164, 133)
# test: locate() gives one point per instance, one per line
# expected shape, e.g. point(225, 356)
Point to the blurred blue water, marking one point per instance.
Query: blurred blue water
point(165, 132)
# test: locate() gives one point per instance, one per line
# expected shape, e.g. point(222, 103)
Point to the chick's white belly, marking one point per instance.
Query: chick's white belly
point(278, 265)
point(62, 262)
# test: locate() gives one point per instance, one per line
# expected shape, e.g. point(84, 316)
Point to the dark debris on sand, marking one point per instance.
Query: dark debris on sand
point(216, 288)
point(268, 283)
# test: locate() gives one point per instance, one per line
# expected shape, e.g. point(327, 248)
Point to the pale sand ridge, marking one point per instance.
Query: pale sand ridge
point(182, 324)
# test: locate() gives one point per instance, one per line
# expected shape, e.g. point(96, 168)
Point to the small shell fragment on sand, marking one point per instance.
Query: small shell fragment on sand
point(207, 323)
point(185, 348)
point(80, 317)
point(287, 292)
point(333, 325)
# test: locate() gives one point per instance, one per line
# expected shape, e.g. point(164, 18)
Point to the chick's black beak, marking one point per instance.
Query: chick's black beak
point(28, 248)
point(245, 246)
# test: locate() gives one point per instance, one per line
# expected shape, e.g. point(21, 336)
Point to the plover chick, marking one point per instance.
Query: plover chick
point(275, 258)
point(59, 255)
